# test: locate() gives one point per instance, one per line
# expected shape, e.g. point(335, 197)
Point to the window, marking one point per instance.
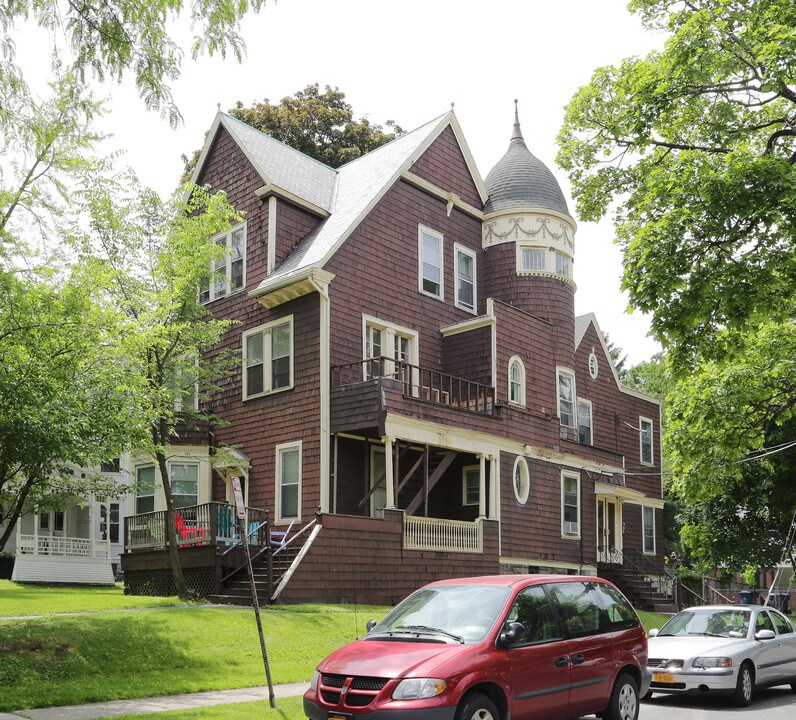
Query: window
point(58, 521)
point(618, 614)
point(44, 521)
point(471, 485)
point(783, 625)
point(229, 271)
point(563, 265)
point(430, 251)
point(109, 522)
point(532, 609)
point(145, 489)
point(578, 606)
point(111, 466)
point(570, 506)
point(594, 366)
point(465, 278)
point(584, 422)
point(648, 529)
point(516, 381)
point(645, 440)
point(184, 479)
point(268, 358)
point(288, 475)
point(533, 259)
point(522, 480)
point(383, 339)
point(566, 398)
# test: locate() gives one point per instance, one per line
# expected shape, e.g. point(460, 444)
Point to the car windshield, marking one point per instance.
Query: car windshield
point(445, 613)
point(712, 622)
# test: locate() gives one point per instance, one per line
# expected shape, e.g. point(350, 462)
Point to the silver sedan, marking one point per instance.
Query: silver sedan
point(723, 648)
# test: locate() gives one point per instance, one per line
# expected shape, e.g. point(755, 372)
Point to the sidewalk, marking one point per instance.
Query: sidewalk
point(156, 704)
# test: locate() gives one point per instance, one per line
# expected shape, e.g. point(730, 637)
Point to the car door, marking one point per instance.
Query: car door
point(539, 668)
point(787, 639)
point(590, 647)
point(772, 656)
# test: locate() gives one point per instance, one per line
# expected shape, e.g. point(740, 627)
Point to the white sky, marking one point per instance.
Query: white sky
point(408, 61)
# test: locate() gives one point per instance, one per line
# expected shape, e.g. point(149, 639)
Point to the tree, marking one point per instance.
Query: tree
point(151, 259)
point(320, 125)
point(696, 146)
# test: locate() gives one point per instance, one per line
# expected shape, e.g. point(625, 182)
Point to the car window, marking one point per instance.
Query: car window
point(532, 609)
point(618, 614)
point(783, 624)
point(763, 622)
point(579, 606)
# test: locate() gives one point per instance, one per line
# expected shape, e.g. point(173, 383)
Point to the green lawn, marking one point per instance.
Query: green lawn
point(286, 709)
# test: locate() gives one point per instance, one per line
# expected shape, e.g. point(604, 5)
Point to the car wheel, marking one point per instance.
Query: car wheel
point(623, 704)
point(744, 688)
point(477, 707)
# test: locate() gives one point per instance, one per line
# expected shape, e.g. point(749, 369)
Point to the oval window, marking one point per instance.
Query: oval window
point(522, 480)
point(594, 368)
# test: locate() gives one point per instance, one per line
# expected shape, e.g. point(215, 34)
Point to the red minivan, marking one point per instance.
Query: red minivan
point(546, 647)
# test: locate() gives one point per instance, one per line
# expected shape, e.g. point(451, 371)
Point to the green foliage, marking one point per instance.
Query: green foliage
point(319, 124)
point(697, 143)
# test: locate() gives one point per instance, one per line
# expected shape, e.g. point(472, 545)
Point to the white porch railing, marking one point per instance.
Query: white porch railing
point(62, 546)
point(421, 533)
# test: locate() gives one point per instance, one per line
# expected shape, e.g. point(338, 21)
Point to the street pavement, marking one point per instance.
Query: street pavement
point(777, 703)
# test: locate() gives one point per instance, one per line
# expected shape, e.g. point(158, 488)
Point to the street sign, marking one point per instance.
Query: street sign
point(238, 497)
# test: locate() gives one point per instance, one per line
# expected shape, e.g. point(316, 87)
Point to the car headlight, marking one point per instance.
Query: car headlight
point(418, 688)
point(314, 681)
point(712, 662)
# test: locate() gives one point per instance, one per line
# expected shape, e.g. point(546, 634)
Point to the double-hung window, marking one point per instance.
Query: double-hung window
point(584, 422)
point(268, 358)
point(566, 398)
point(570, 505)
point(288, 478)
point(471, 485)
point(184, 478)
point(648, 529)
point(229, 271)
point(430, 266)
point(465, 278)
point(144, 489)
point(645, 440)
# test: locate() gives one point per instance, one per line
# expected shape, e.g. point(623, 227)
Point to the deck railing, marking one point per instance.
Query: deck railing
point(422, 533)
point(420, 383)
point(63, 546)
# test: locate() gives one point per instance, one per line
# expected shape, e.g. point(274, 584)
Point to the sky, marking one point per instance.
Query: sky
point(408, 61)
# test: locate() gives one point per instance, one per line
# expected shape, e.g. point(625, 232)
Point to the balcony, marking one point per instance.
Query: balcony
point(418, 383)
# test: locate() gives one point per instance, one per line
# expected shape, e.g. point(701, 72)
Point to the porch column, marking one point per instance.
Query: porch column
point(93, 526)
point(389, 478)
point(481, 485)
point(493, 487)
point(35, 533)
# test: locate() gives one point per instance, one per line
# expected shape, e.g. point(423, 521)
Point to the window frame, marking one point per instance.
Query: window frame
point(457, 251)
point(566, 372)
point(641, 443)
point(645, 527)
point(421, 261)
point(516, 361)
point(521, 495)
point(467, 472)
point(563, 265)
point(228, 260)
point(280, 450)
point(565, 476)
point(175, 495)
point(542, 253)
point(138, 495)
point(267, 360)
point(582, 402)
point(389, 332)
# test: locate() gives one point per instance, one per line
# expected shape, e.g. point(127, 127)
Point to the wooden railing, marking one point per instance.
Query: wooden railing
point(420, 383)
point(422, 533)
point(63, 546)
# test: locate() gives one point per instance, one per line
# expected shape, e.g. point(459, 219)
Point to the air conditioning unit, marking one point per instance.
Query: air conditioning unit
point(570, 528)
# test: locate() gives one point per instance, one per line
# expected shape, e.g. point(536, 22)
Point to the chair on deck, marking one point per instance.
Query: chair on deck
point(188, 533)
point(279, 537)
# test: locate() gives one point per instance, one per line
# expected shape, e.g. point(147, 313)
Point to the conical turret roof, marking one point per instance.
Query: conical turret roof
point(520, 179)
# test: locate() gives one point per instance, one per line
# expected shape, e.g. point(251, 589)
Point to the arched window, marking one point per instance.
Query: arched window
point(516, 381)
point(522, 480)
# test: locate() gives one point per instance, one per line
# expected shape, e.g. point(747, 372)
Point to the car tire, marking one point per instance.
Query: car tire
point(744, 687)
point(477, 707)
point(624, 702)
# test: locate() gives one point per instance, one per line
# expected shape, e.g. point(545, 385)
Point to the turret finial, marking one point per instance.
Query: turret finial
point(517, 134)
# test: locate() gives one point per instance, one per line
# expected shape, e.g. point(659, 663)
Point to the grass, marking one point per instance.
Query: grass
point(286, 709)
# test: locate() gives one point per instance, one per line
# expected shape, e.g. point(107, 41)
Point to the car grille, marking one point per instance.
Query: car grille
point(664, 663)
point(342, 690)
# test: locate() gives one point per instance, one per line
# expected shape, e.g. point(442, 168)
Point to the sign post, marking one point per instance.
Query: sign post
point(241, 509)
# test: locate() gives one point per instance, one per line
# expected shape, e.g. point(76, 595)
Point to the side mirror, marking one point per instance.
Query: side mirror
point(371, 624)
point(764, 635)
point(653, 632)
point(510, 632)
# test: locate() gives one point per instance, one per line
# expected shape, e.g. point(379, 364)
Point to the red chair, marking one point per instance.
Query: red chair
point(188, 533)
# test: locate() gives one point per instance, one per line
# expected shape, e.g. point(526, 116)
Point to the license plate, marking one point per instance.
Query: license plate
point(663, 678)
point(339, 716)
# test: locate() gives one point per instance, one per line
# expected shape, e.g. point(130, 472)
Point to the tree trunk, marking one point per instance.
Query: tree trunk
point(12, 517)
point(171, 530)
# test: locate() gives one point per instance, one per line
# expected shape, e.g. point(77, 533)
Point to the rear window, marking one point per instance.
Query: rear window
point(588, 608)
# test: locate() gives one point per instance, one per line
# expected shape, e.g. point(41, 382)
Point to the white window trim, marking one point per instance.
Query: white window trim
point(420, 230)
point(591, 419)
point(193, 463)
point(286, 447)
point(389, 330)
point(266, 330)
point(641, 422)
point(570, 476)
point(566, 371)
point(228, 264)
point(643, 529)
point(521, 463)
point(516, 359)
point(457, 248)
point(137, 495)
point(521, 270)
point(468, 469)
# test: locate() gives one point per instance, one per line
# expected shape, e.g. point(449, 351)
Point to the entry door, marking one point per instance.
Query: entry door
point(608, 521)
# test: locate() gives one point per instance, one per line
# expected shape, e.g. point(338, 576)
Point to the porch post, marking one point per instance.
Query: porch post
point(493, 487)
point(92, 523)
point(481, 485)
point(389, 475)
point(35, 533)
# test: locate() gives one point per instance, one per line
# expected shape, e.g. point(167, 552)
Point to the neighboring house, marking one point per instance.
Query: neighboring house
point(416, 397)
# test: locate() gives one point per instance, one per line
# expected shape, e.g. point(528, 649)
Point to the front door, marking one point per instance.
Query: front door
point(609, 540)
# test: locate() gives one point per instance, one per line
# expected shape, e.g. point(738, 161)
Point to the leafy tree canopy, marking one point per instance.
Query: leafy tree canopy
point(697, 145)
point(319, 124)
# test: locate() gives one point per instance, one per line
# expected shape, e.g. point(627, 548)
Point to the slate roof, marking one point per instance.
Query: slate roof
point(582, 323)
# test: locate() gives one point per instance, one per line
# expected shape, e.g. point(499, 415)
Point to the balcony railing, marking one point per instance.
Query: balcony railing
point(209, 524)
point(419, 383)
point(422, 533)
point(63, 546)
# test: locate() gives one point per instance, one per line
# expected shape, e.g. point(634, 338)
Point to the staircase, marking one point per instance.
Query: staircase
point(634, 584)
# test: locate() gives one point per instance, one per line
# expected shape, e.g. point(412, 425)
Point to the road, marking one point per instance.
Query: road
point(777, 703)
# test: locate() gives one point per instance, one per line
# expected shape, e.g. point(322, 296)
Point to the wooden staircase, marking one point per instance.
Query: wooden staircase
point(641, 591)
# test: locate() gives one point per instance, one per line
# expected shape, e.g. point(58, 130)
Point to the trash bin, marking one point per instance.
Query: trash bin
point(748, 597)
point(779, 600)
